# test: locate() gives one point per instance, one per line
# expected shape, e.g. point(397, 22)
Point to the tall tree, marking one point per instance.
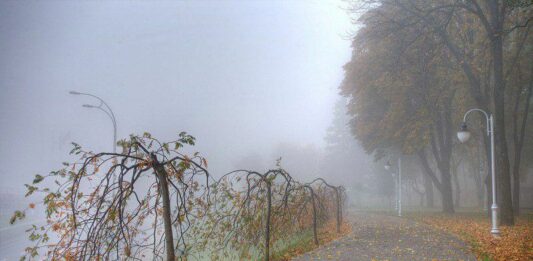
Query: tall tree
point(474, 32)
point(399, 85)
point(519, 77)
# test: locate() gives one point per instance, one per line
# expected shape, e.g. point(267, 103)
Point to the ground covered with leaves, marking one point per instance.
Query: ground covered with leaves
point(514, 243)
point(386, 237)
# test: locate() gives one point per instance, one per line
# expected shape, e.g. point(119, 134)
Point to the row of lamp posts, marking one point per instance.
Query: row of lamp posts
point(463, 135)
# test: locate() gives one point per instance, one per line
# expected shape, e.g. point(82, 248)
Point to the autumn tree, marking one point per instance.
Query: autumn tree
point(494, 21)
point(400, 94)
point(519, 89)
point(137, 204)
point(478, 36)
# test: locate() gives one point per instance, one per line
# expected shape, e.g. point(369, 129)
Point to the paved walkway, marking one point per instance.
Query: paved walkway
point(380, 237)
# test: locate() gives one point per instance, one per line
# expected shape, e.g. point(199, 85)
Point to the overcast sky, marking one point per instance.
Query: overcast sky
point(241, 76)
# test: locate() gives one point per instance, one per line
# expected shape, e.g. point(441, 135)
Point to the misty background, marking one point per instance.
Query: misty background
point(253, 81)
point(245, 78)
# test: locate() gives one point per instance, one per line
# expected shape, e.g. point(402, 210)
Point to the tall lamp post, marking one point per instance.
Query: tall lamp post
point(463, 135)
point(398, 185)
point(106, 109)
point(393, 175)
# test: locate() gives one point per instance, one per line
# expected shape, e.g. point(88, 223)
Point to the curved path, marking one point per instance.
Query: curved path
point(381, 237)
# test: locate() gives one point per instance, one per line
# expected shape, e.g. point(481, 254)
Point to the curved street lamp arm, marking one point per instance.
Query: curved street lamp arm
point(104, 103)
point(487, 117)
point(109, 113)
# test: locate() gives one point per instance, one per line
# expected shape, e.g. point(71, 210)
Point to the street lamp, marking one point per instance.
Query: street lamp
point(106, 109)
point(387, 166)
point(463, 135)
point(398, 185)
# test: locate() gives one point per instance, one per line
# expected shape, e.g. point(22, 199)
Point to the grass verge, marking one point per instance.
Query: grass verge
point(304, 242)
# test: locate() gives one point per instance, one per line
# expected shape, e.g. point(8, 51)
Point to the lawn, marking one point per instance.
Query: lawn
point(304, 242)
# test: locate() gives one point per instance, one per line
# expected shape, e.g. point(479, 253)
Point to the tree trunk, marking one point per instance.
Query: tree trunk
point(314, 217)
point(443, 153)
point(488, 189)
point(457, 189)
point(478, 178)
point(479, 194)
point(518, 137)
point(428, 186)
point(338, 210)
point(516, 187)
point(502, 159)
point(165, 196)
point(447, 196)
point(267, 226)
point(444, 186)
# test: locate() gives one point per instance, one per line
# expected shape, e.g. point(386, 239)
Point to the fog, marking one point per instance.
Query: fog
point(245, 78)
point(370, 95)
point(240, 77)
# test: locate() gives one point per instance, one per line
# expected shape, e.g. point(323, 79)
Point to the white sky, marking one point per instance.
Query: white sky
point(241, 76)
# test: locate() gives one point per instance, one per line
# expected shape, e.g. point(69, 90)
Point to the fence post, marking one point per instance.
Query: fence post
point(337, 194)
point(314, 216)
point(267, 229)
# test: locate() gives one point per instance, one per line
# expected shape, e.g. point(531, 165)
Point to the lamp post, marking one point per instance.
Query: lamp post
point(393, 175)
point(398, 185)
point(463, 135)
point(106, 109)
